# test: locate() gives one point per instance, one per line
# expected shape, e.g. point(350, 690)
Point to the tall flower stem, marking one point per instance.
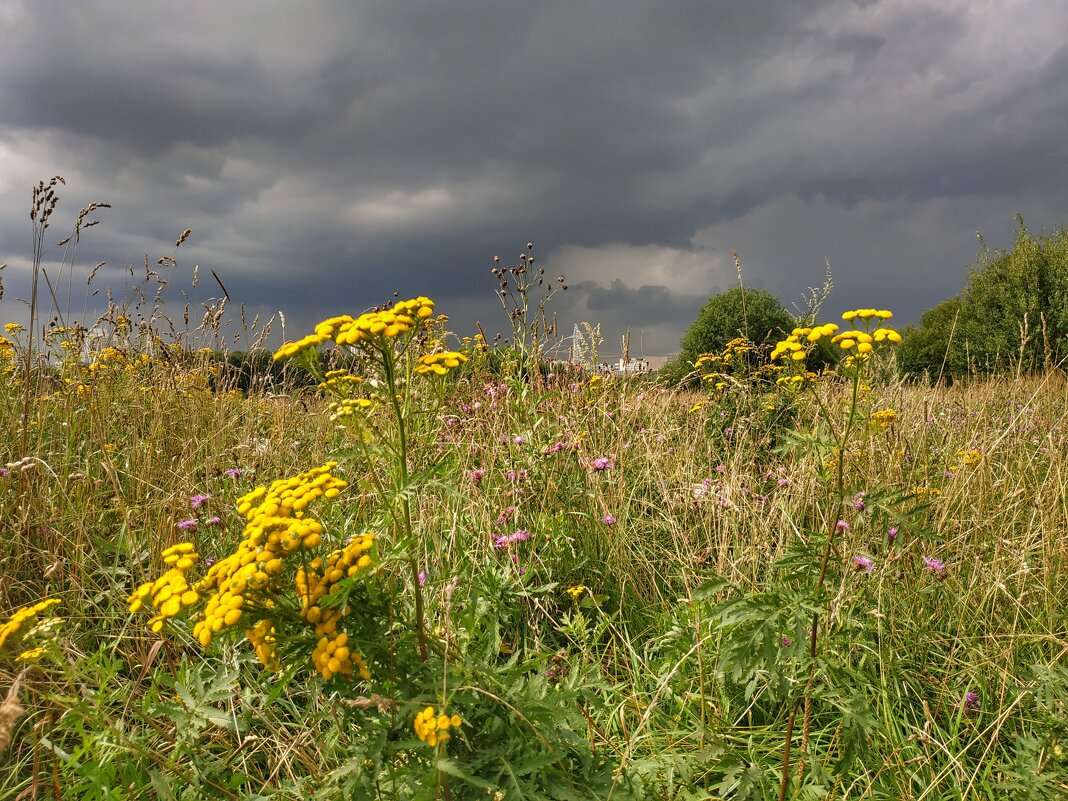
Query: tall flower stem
point(401, 489)
point(838, 503)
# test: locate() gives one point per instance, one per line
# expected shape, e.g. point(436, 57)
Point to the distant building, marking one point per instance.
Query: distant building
point(631, 366)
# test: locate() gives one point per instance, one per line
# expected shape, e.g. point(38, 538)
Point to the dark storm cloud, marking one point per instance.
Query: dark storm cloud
point(328, 154)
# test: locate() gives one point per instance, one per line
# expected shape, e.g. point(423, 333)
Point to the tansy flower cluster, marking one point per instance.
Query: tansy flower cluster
point(264, 642)
point(370, 326)
point(794, 382)
point(867, 314)
point(21, 616)
point(170, 592)
point(332, 656)
point(7, 349)
point(107, 358)
point(862, 343)
point(402, 318)
point(707, 366)
point(276, 527)
point(291, 349)
point(795, 343)
point(341, 409)
point(439, 363)
point(432, 728)
point(703, 367)
point(884, 417)
point(339, 382)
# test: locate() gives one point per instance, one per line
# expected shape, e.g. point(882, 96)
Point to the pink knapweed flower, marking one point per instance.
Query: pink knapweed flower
point(842, 525)
point(188, 525)
point(601, 463)
point(504, 540)
point(213, 521)
point(892, 533)
point(196, 501)
point(863, 563)
point(477, 474)
point(609, 520)
point(971, 701)
point(233, 472)
point(936, 566)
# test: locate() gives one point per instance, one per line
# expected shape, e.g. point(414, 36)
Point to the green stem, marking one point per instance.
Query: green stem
point(402, 489)
point(813, 639)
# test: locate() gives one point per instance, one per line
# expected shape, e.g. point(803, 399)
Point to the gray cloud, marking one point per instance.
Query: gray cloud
point(328, 154)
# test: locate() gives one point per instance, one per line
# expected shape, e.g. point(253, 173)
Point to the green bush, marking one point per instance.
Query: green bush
point(754, 314)
point(1013, 312)
point(935, 346)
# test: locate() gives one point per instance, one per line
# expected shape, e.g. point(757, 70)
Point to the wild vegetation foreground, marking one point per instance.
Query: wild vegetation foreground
point(444, 573)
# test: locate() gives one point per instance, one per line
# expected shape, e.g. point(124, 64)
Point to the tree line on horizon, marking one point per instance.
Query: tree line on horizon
point(1011, 314)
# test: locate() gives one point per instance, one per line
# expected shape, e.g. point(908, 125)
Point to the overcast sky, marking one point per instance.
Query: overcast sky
point(326, 154)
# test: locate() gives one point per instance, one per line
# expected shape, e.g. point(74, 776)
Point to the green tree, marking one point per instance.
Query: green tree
point(751, 313)
point(935, 346)
point(1013, 312)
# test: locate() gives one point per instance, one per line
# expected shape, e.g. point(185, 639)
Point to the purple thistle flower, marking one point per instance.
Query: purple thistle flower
point(560, 446)
point(213, 521)
point(936, 566)
point(892, 533)
point(786, 641)
point(842, 525)
point(609, 520)
point(233, 472)
point(422, 578)
point(858, 502)
point(863, 563)
point(601, 463)
point(196, 501)
point(476, 474)
point(188, 525)
point(209, 561)
point(504, 540)
point(5, 473)
point(971, 701)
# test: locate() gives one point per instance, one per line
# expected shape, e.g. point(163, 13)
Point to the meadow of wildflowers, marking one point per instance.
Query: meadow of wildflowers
point(439, 570)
